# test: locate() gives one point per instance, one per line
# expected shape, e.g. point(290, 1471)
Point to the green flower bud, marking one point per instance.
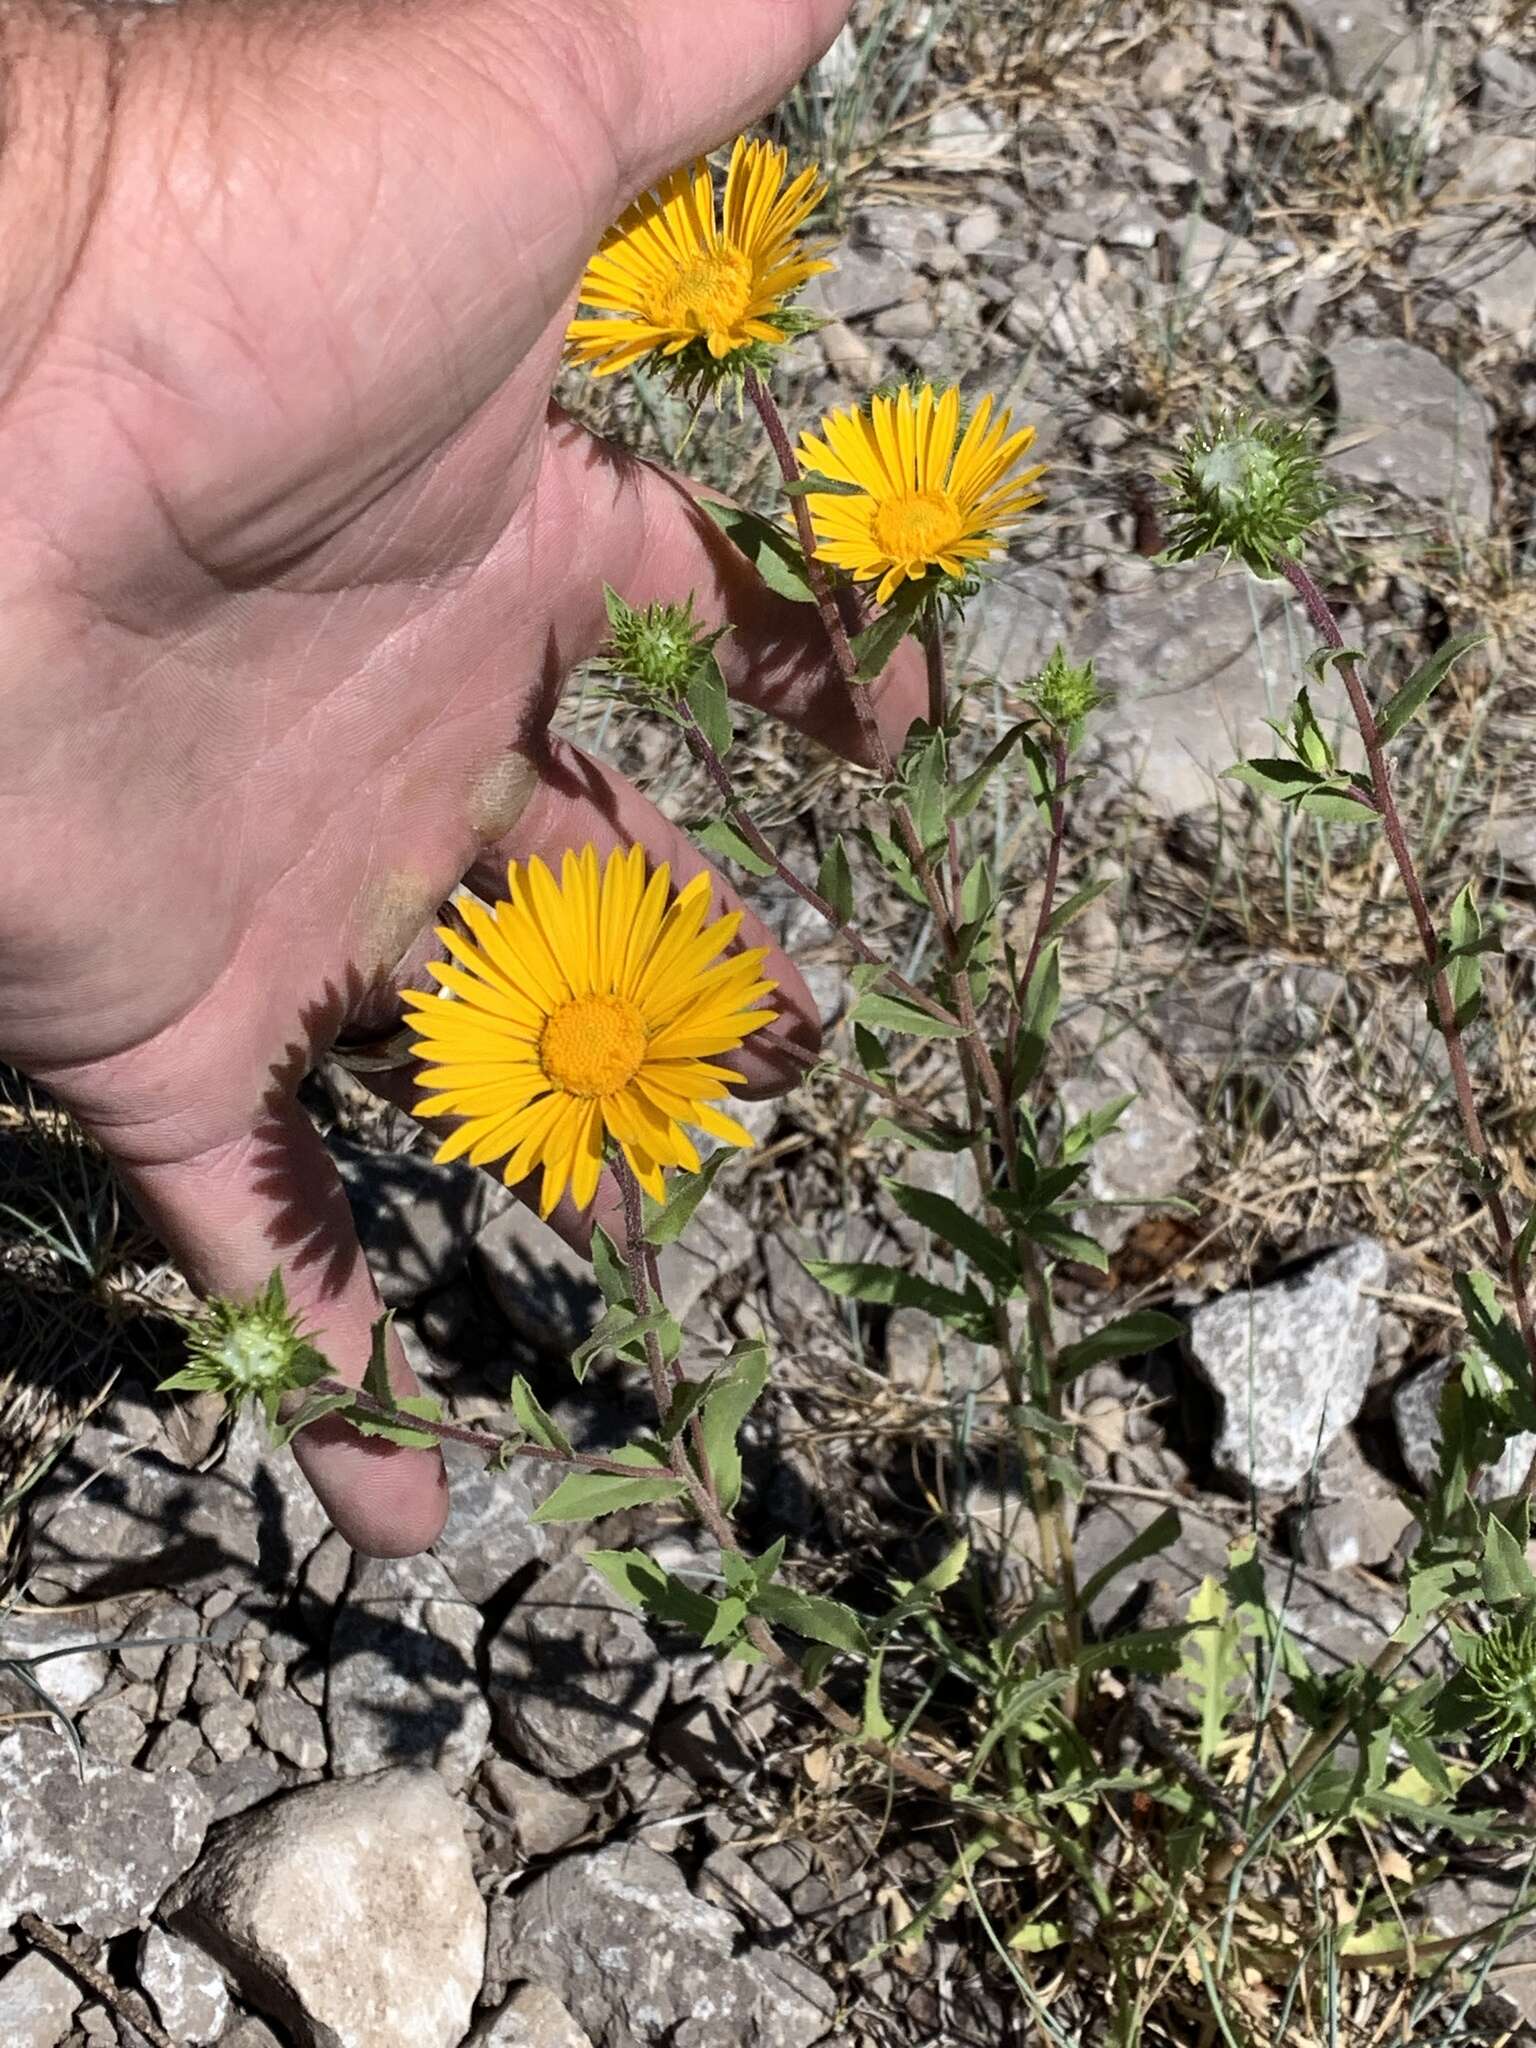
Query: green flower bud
point(249, 1351)
point(1499, 1672)
point(1246, 487)
point(660, 648)
point(1065, 692)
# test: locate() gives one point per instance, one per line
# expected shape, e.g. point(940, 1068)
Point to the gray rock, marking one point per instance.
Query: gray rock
point(1407, 422)
point(490, 1535)
point(717, 1245)
point(640, 1962)
point(977, 230)
point(402, 1686)
point(113, 1732)
point(115, 1516)
point(1015, 622)
point(704, 1740)
point(1507, 83)
point(546, 1293)
point(864, 281)
point(1363, 1531)
point(174, 1748)
point(1154, 1147)
point(95, 1853)
point(531, 2018)
point(727, 1879)
point(226, 1728)
point(576, 1679)
point(290, 1727)
point(913, 319)
point(1416, 1413)
point(961, 138)
point(1471, 1908)
point(416, 1218)
point(1491, 167)
point(1194, 667)
point(1290, 1363)
point(186, 1986)
point(543, 1817)
point(240, 1783)
point(250, 2032)
point(37, 2003)
point(72, 1678)
point(1367, 44)
point(347, 1912)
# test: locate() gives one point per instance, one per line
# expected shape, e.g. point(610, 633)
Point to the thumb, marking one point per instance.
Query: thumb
point(274, 1199)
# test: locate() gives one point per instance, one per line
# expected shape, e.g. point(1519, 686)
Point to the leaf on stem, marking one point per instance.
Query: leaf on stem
point(771, 551)
point(1394, 715)
point(666, 1221)
point(583, 1496)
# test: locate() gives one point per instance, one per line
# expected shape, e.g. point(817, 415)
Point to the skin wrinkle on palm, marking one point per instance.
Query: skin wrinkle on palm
point(369, 415)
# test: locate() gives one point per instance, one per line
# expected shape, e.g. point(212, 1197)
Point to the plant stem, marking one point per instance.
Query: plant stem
point(662, 1383)
point(703, 751)
point(1321, 613)
point(1047, 892)
point(476, 1439)
point(816, 573)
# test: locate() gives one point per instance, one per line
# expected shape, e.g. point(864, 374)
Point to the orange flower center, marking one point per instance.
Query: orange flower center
point(708, 293)
point(917, 527)
point(593, 1045)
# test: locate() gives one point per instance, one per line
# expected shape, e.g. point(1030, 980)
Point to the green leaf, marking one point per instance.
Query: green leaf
point(1393, 716)
point(834, 880)
point(771, 551)
point(1148, 1542)
point(722, 1415)
point(1274, 776)
point(313, 1409)
point(967, 793)
point(1308, 738)
point(895, 1287)
point(646, 1585)
point(992, 1254)
point(896, 863)
point(670, 1219)
point(812, 1615)
point(874, 647)
point(1058, 1236)
point(719, 836)
point(423, 1405)
point(924, 782)
point(1081, 1137)
point(1337, 808)
point(1462, 960)
point(812, 482)
point(1126, 1337)
point(585, 1495)
point(1075, 905)
point(1037, 1017)
point(883, 1012)
point(1506, 1576)
point(730, 1613)
point(710, 705)
point(376, 1380)
point(1324, 658)
point(617, 1329)
point(533, 1419)
point(875, 1724)
point(872, 1055)
point(935, 1137)
point(609, 1269)
point(1213, 1664)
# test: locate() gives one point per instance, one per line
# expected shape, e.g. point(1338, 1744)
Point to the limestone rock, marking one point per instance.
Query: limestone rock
point(1194, 666)
point(290, 1727)
point(1015, 621)
point(546, 1293)
point(490, 1535)
point(1366, 43)
point(37, 2003)
point(348, 1912)
point(576, 1678)
point(1416, 1412)
point(531, 2018)
point(544, 1818)
point(402, 1686)
point(1290, 1363)
point(187, 1988)
point(95, 1854)
point(1407, 422)
point(1152, 1149)
point(640, 1962)
point(71, 1678)
point(416, 1218)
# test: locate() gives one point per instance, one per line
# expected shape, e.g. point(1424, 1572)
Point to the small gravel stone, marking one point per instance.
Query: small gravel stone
point(186, 1985)
point(226, 1728)
point(175, 1748)
point(113, 1731)
point(532, 2017)
point(544, 1817)
point(290, 1727)
point(37, 2003)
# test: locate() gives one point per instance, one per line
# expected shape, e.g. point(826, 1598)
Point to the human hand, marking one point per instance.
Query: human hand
point(297, 556)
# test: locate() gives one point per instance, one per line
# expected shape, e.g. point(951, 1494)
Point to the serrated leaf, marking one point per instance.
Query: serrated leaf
point(710, 705)
point(719, 836)
point(772, 552)
point(992, 1254)
point(586, 1495)
point(535, 1421)
point(609, 1269)
point(1324, 658)
point(925, 785)
point(668, 1220)
point(881, 1012)
point(812, 1615)
point(1394, 715)
point(1337, 808)
point(722, 1415)
point(1213, 1664)
point(1308, 738)
point(897, 864)
point(426, 1406)
point(650, 1587)
point(376, 1380)
point(895, 1287)
point(834, 879)
point(730, 1614)
point(1127, 1337)
point(314, 1409)
point(874, 647)
point(1058, 1236)
point(1273, 775)
point(936, 1137)
point(1074, 906)
point(1083, 1135)
point(1506, 1577)
point(617, 1328)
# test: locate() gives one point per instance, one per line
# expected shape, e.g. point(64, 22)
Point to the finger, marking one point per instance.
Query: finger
point(622, 522)
point(581, 801)
point(271, 1200)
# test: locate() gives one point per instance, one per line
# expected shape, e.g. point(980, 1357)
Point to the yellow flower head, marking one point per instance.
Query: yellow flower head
point(676, 272)
point(588, 1010)
point(922, 503)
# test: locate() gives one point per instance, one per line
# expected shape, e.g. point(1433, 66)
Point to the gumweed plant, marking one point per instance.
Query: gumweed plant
point(580, 1026)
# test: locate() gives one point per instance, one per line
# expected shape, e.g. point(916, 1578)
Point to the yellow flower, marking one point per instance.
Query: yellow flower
point(922, 502)
point(675, 272)
point(587, 1010)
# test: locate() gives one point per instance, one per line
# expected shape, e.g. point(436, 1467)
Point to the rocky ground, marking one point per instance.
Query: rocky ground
point(324, 1802)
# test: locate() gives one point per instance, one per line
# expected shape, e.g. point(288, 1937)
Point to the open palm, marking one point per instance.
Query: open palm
point(297, 556)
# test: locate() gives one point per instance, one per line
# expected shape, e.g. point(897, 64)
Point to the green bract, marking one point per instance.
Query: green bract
point(1065, 691)
point(660, 647)
point(1500, 1670)
point(1245, 487)
point(253, 1350)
